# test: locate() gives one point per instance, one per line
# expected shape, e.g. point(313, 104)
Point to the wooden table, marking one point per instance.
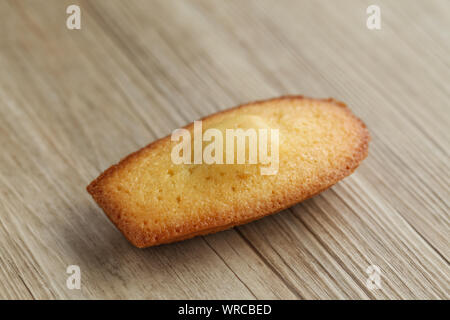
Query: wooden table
point(73, 102)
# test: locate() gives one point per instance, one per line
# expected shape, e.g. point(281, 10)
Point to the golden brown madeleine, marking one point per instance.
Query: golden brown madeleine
point(152, 200)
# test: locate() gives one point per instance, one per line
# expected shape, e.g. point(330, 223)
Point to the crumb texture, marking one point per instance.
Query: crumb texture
point(153, 201)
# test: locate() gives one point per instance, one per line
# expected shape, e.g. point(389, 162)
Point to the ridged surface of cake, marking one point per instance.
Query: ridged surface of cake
point(154, 201)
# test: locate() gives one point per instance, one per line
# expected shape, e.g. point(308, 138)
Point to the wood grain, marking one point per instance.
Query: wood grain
point(72, 102)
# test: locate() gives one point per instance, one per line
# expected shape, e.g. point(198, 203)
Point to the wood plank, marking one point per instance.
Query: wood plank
point(66, 227)
point(74, 102)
